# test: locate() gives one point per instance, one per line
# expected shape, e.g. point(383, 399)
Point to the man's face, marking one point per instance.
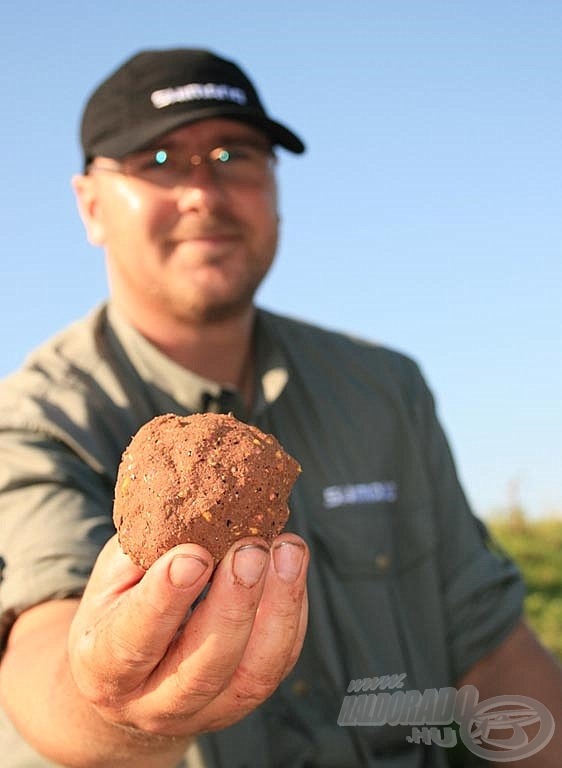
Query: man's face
point(196, 247)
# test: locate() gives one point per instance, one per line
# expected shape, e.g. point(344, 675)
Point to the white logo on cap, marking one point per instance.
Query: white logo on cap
point(197, 92)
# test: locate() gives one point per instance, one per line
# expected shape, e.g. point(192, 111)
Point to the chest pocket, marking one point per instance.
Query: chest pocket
point(374, 540)
point(358, 540)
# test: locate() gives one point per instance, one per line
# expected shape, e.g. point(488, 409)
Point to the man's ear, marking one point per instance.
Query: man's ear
point(86, 191)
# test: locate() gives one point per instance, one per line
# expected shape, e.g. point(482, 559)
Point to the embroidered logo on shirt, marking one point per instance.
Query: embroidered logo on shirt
point(359, 493)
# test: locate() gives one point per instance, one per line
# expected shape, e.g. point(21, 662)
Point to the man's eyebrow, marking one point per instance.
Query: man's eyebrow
point(170, 142)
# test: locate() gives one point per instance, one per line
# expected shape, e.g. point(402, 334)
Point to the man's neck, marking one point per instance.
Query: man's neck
point(221, 351)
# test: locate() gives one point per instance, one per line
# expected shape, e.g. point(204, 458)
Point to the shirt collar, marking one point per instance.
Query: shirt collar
point(196, 393)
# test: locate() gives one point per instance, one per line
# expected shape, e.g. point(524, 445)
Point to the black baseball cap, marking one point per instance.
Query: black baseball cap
point(155, 91)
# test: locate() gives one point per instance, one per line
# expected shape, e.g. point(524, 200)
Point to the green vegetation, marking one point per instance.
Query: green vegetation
point(536, 547)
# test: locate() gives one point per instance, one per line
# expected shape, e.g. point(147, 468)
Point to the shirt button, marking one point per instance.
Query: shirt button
point(300, 687)
point(382, 563)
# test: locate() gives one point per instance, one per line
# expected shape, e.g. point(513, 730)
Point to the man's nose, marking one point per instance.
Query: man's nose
point(199, 188)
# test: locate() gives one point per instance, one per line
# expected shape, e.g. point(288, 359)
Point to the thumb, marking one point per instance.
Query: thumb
point(128, 617)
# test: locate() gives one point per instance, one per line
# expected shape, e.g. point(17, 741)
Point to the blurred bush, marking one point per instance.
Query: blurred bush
point(536, 547)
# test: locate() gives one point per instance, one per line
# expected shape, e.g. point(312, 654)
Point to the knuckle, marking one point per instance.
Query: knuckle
point(234, 619)
point(287, 615)
point(286, 609)
point(127, 656)
point(199, 688)
point(100, 665)
point(165, 613)
point(252, 687)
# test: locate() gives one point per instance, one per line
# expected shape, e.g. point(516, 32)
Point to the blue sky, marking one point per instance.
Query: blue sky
point(426, 215)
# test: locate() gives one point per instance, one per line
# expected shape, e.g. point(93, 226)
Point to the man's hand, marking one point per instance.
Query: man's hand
point(520, 665)
point(128, 675)
point(143, 660)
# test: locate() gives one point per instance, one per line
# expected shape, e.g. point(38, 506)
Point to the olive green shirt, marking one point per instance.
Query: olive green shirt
point(402, 577)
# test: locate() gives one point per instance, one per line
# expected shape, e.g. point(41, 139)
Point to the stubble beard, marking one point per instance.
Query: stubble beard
point(205, 314)
point(203, 310)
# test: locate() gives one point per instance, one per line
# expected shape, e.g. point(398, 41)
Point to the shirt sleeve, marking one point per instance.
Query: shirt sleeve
point(55, 516)
point(483, 589)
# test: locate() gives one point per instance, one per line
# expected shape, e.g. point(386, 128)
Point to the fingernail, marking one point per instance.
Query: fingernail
point(184, 570)
point(287, 558)
point(248, 564)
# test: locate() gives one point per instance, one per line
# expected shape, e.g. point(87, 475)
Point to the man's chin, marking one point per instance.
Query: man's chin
point(214, 313)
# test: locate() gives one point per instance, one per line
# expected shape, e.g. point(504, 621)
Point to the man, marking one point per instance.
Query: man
point(107, 666)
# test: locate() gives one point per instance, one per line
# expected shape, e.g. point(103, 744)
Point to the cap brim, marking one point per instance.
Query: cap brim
point(138, 137)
